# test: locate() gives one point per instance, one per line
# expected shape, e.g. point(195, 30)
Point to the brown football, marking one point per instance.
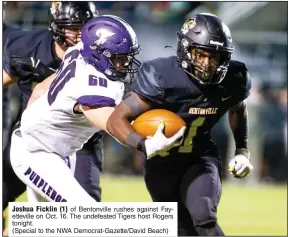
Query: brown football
point(146, 124)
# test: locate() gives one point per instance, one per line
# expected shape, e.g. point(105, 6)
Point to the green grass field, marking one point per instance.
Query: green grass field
point(243, 210)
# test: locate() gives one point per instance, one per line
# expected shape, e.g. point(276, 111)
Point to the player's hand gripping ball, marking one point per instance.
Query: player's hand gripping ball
point(162, 129)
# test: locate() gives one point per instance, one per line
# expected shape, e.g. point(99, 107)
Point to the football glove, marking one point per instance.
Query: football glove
point(240, 165)
point(159, 144)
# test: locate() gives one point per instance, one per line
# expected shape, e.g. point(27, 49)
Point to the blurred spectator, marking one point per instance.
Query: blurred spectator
point(274, 114)
point(164, 12)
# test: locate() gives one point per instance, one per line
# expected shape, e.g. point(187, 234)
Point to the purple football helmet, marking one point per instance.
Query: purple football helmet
point(110, 44)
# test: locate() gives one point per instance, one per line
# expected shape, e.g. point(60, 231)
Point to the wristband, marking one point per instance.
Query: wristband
point(133, 140)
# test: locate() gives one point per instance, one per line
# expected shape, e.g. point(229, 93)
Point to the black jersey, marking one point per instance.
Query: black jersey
point(7, 29)
point(7, 118)
point(164, 84)
point(28, 55)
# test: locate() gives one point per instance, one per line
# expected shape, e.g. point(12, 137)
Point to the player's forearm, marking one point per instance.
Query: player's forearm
point(121, 129)
point(238, 120)
point(97, 116)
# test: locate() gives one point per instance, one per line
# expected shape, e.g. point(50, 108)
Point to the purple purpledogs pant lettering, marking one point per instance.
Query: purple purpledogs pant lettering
point(40, 183)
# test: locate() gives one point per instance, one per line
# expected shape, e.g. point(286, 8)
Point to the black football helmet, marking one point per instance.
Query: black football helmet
point(69, 14)
point(205, 32)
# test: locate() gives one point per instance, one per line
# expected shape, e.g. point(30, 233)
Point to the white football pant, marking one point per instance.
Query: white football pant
point(46, 175)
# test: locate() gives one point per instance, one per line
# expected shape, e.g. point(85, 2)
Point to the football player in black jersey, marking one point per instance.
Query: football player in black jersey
point(32, 56)
point(7, 118)
point(200, 84)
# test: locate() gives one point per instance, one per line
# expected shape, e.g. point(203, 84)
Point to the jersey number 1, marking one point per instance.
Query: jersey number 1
point(187, 147)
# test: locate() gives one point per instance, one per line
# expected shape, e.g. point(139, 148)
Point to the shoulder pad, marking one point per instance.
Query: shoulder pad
point(30, 38)
point(238, 79)
point(237, 74)
point(7, 30)
point(150, 81)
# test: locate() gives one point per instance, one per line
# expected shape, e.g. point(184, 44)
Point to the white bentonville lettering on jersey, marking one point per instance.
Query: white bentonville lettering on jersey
point(203, 111)
point(57, 127)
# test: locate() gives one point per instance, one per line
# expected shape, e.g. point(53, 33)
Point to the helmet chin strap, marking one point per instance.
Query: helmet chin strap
point(195, 77)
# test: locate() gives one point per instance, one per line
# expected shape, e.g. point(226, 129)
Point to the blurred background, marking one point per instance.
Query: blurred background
point(259, 32)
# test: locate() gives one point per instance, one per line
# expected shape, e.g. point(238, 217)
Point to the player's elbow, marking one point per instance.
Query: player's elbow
point(240, 108)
